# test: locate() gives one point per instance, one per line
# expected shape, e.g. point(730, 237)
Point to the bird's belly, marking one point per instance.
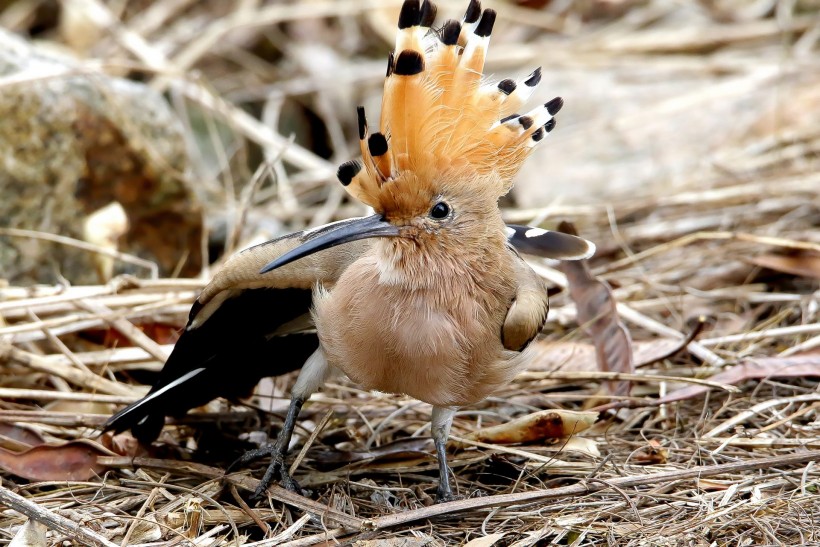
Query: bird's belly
point(438, 351)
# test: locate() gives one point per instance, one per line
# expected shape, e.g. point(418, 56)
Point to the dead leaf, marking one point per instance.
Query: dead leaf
point(18, 438)
point(71, 461)
point(486, 541)
point(599, 318)
point(123, 444)
point(30, 534)
point(651, 454)
point(801, 265)
point(581, 445)
point(546, 424)
point(795, 366)
point(571, 356)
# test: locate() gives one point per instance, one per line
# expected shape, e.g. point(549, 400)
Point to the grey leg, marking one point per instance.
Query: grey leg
point(442, 419)
point(277, 452)
point(311, 377)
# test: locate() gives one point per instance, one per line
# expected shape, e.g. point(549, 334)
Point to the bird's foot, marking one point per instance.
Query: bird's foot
point(277, 466)
point(445, 494)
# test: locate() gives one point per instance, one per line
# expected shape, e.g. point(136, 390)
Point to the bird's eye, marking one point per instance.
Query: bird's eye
point(440, 210)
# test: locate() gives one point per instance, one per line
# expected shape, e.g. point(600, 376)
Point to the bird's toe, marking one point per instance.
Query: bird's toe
point(288, 482)
point(251, 455)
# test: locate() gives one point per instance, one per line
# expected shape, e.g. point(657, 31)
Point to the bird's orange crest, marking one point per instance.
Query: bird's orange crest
point(439, 119)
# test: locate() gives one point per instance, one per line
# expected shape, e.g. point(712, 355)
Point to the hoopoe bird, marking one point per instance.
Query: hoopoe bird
point(428, 297)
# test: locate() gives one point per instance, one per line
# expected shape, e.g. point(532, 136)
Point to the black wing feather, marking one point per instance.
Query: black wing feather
point(233, 349)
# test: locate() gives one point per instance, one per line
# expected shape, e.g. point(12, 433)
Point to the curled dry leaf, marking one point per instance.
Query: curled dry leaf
point(71, 461)
point(123, 444)
point(546, 424)
point(598, 316)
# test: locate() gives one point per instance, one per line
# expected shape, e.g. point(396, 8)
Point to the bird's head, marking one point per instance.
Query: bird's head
point(448, 144)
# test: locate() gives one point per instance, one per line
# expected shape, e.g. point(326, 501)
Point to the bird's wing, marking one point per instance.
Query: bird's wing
point(243, 327)
point(528, 311)
point(548, 244)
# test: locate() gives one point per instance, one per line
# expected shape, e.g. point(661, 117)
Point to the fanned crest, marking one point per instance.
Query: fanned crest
point(439, 120)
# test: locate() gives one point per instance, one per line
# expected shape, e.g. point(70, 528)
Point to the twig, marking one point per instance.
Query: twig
point(761, 334)
point(582, 488)
point(69, 528)
point(71, 374)
point(315, 433)
point(608, 375)
point(85, 246)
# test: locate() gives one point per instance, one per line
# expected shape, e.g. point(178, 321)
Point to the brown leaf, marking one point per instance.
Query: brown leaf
point(572, 356)
point(546, 424)
point(795, 366)
point(16, 437)
point(651, 454)
point(123, 444)
point(801, 265)
point(71, 461)
point(598, 317)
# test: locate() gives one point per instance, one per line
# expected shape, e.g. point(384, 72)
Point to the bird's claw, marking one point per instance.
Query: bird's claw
point(251, 455)
point(277, 465)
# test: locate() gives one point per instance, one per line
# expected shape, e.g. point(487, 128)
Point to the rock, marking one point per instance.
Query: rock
point(72, 141)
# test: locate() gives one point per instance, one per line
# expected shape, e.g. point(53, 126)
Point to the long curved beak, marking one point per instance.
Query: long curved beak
point(372, 226)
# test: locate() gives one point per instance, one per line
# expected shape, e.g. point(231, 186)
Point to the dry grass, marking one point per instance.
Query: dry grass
point(730, 233)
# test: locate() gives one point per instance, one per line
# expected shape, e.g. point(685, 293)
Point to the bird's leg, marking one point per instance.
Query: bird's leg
point(277, 452)
point(313, 374)
point(442, 419)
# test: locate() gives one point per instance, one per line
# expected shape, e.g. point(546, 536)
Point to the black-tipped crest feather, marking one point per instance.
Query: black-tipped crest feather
point(362, 119)
point(485, 26)
point(554, 106)
point(410, 14)
point(473, 12)
point(409, 63)
point(348, 170)
point(534, 78)
point(377, 144)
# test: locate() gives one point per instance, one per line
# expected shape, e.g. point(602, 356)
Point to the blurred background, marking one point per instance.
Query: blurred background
point(172, 132)
point(154, 139)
